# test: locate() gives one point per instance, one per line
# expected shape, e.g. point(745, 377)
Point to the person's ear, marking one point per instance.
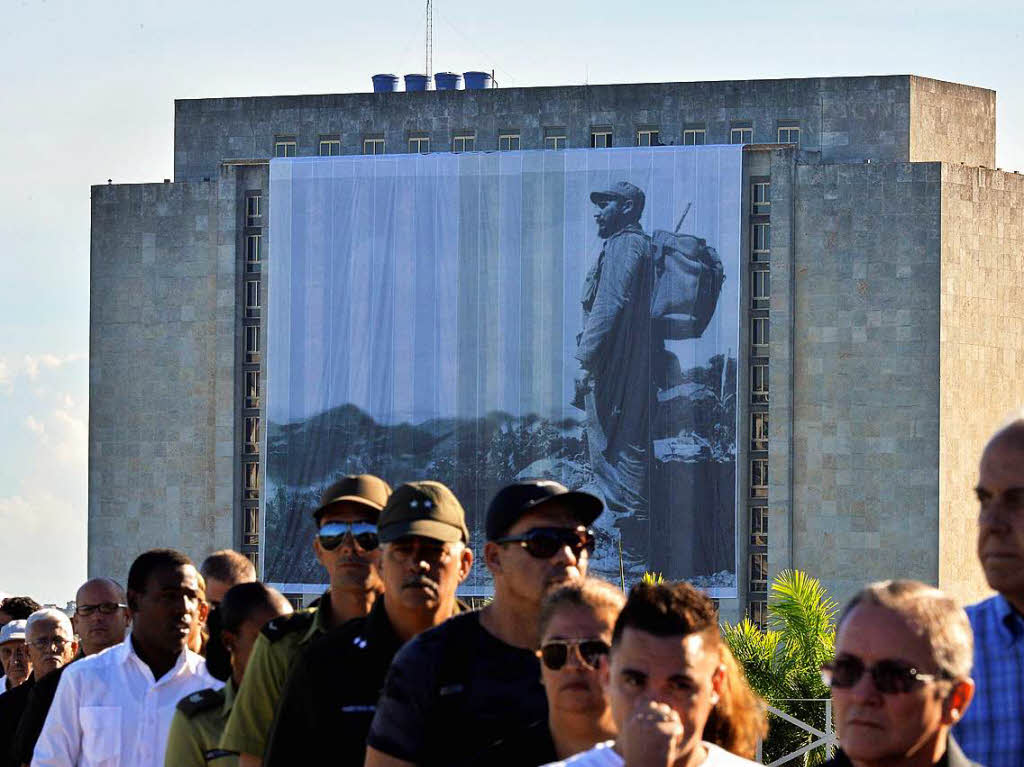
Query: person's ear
point(957, 701)
point(465, 563)
point(133, 601)
point(492, 557)
point(318, 551)
point(626, 208)
point(74, 647)
point(717, 683)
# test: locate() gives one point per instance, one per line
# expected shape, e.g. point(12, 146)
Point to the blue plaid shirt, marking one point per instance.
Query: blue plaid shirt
point(992, 730)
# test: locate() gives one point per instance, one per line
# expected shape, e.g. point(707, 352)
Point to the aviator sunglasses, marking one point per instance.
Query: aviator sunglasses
point(889, 676)
point(545, 542)
point(332, 535)
point(555, 654)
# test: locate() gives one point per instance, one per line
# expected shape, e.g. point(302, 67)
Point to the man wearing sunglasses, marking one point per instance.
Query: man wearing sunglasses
point(100, 621)
point(480, 670)
point(346, 545)
point(335, 684)
point(900, 677)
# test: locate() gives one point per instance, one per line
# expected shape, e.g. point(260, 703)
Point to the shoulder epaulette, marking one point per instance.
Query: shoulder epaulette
point(200, 701)
point(289, 624)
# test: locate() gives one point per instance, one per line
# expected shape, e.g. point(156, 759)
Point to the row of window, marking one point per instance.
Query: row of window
point(554, 138)
point(251, 375)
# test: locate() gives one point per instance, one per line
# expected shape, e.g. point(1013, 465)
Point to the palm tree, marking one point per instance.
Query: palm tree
point(783, 663)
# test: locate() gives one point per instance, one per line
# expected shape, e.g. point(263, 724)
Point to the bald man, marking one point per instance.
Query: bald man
point(992, 730)
point(100, 621)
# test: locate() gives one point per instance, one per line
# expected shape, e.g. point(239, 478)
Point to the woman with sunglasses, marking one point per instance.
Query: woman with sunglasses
point(576, 623)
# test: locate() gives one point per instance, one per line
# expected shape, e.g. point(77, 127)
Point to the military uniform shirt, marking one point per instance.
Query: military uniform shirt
point(194, 739)
point(333, 688)
point(273, 653)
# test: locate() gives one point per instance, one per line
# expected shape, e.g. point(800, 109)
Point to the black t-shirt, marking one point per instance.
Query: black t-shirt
point(531, 746)
point(454, 691)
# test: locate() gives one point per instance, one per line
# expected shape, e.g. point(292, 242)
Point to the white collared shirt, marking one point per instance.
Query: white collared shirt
point(109, 711)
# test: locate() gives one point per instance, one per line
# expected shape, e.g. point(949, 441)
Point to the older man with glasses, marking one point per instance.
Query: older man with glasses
point(51, 644)
point(346, 522)
point(456, 689)
point(900, 679)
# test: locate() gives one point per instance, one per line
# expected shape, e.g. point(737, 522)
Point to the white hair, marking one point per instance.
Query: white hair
point(50, 614)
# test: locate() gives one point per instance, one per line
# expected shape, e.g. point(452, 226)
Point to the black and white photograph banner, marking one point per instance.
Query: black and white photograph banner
point(479, 318)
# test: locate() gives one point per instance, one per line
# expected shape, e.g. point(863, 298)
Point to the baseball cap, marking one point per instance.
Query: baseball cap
point(520, 498)
point(364, 489)
point(13, 631)
point(622, 190)
point(423, 508)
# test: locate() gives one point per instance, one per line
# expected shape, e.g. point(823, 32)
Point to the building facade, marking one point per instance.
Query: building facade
point(881, 324)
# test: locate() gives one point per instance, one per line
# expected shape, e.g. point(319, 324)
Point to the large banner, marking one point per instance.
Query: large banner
point(477, 318)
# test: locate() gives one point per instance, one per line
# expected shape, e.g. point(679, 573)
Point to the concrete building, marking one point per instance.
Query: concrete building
point(882, 336)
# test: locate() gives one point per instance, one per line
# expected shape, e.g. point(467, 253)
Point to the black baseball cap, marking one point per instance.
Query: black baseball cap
point(520, 498)
point(423, 508)
point(363, 489)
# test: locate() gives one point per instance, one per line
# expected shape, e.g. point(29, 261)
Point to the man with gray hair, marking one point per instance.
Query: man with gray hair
point(51, 644)
point(900, 679)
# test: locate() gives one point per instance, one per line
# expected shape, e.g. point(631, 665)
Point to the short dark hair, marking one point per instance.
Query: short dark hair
point(149, 561)
point(228, 566)
point(19, 608)
point(242, 601)
point(667, 609)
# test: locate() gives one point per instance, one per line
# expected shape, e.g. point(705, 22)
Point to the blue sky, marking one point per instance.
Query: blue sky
point(88, 94)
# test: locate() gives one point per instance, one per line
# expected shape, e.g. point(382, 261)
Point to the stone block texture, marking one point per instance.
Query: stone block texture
point(953, 123)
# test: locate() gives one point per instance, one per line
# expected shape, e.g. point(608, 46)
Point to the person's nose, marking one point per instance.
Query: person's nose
point(864, 691)
point(565, 556)
point(994, 516)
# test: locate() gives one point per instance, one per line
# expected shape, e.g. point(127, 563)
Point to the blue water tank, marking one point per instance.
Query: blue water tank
point(447, 81)
point(477, 81)
point(384, 83)
point(415, 83)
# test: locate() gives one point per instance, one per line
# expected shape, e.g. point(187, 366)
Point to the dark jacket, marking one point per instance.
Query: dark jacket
point(34, 716)
point(12, 706)
point(953, 757)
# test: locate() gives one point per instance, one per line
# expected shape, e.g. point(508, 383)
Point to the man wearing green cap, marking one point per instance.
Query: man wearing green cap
point(335, 683)
point(346, 545)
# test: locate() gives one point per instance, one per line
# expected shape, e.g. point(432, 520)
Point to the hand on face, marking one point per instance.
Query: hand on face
point(652, 737)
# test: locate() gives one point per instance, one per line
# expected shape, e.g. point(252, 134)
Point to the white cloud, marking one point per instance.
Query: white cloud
point(32, 521)
point(34, 363)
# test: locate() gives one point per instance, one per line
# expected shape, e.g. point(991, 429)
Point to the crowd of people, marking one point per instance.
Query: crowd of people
point(190, 666)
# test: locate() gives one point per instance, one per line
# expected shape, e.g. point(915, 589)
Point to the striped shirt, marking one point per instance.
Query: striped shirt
point(992, 730)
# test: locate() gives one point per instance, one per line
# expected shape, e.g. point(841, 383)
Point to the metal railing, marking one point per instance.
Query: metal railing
point(826, 737)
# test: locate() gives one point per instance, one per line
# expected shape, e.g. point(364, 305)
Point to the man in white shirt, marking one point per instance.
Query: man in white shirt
point(114, 709)
point(663, 676)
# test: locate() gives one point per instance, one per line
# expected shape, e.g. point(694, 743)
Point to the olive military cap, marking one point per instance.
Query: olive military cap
point(423, 508)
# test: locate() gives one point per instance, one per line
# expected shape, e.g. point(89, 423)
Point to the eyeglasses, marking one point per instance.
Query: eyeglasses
point(545, 542)
point(42, 644)
point(555, 654)
point(889, 676)
point(105, 608)
point(332, 535)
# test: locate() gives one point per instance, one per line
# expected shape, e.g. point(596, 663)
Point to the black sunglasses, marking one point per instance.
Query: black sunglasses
point(545, 542)
point(555, 654)
point(104, 608)
point(332, 535)
point(889, 676)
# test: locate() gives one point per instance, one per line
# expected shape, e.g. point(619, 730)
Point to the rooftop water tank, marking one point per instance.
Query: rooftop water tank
point(415, 83)
point(447, 81)
point(384, 83)
point(477, 81)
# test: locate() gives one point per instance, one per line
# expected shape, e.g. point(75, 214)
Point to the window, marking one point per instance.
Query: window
point(251, 527)
point(285, 146)
point(695, 137)
point(759, 526)
point(758, 612)
point(254, 557)
point(253, 204)
point(252, 388)
point(373, 146)
point(508, 142)
point(759, 572)
point(252, 252)
point(419, 144)
point(464, 142)
point(761, 198)
point(741, 136)
point(761, 241)
point(252, 298)
point(600, 138)
point(789, 134)
point(760, 289)
point(252, 435)
point(252, 343)
point(758, 477)
point(759, 384)
point(759, 333)
point(758, 431)
point(648, 137)
point(330, 146)
point(555, 138)
point(251, 481)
